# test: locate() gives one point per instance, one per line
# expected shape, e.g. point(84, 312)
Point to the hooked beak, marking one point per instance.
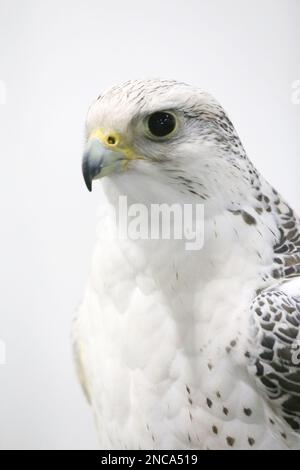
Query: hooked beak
point(99, 161)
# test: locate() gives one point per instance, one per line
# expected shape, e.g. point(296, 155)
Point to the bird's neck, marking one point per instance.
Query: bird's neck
point(237, 242)
point(233, 263)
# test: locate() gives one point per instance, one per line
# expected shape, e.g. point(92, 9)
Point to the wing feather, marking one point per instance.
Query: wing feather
point(276, 321)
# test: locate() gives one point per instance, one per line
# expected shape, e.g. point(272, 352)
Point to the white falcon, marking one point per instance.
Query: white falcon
point(181, 349)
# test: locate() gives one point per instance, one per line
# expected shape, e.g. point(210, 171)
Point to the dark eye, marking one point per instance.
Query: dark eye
point(161, 124)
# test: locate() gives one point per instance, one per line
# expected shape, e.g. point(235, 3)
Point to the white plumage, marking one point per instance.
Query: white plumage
point(171, 344)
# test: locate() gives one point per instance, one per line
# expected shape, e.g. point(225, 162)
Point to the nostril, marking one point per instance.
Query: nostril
point(111, 140)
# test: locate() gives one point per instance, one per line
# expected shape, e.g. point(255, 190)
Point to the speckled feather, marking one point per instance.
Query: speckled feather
point(180, 349)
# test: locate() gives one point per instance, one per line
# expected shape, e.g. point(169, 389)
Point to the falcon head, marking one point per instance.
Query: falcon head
point(171, 131)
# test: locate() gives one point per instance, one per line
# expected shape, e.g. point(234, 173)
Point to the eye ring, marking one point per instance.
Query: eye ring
point(161, 124)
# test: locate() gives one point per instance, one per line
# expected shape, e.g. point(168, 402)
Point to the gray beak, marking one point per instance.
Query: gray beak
point(99, 161)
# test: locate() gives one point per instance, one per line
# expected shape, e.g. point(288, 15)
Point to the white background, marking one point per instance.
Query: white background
point(55, 58)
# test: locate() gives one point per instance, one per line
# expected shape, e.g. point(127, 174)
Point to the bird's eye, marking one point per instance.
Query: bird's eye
point(161, 124)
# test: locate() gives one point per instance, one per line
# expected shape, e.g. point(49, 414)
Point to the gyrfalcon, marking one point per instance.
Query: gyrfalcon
point(177, 348)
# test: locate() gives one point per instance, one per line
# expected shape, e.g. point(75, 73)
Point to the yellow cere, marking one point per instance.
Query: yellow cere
point(113, 140)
